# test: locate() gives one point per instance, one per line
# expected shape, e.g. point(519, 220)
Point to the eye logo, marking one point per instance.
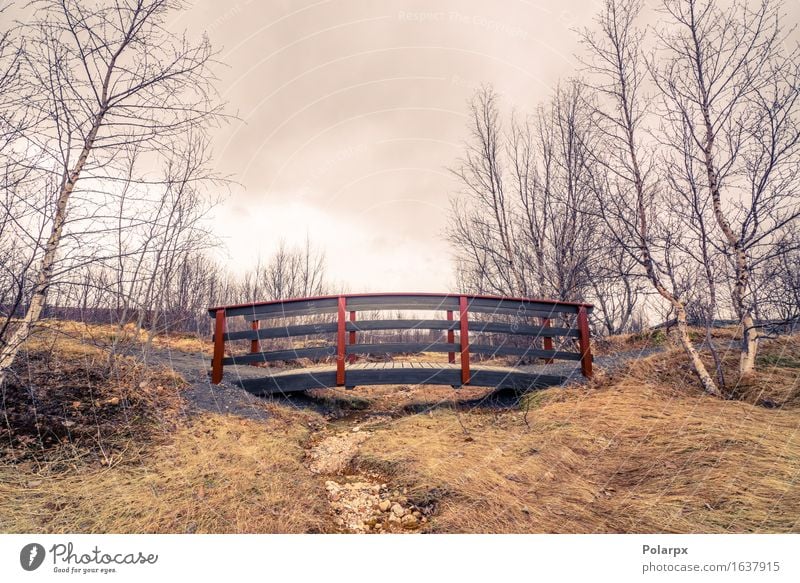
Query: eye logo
point(31, 556)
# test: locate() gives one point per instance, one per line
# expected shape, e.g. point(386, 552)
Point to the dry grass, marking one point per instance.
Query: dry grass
point(86, 448)
point(628, 459)
point(215, 474)
point(776, 382)
point(67, 400)
point(641, 451)
point(102, 335)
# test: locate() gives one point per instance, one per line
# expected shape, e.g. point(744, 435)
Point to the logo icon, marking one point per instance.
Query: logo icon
point(31, 556)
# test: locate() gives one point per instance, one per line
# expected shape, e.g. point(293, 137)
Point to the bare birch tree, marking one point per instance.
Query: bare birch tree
point(631, 197)
point(729, 90)
point(102, 78)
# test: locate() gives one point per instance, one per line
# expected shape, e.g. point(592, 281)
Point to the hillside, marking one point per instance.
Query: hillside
point(123, 447)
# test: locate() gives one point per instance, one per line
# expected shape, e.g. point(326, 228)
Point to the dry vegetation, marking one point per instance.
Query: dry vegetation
point(639, 450)
point(215, 474)
point(629, 454)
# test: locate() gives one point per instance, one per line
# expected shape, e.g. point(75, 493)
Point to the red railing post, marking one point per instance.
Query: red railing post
point(352, 357)
point(255, 343)
point(548, 340)
point(340, 347)
point(451, 338)
point(583, 342)
point(464, 338)
point(219, 347)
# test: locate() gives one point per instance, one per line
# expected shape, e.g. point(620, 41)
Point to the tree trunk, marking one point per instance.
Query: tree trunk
point(8, 353)
point(749, 348)
point(708, 383)
point(747, 358)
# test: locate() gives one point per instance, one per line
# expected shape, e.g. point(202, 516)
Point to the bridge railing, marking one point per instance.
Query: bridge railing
point(529, 318)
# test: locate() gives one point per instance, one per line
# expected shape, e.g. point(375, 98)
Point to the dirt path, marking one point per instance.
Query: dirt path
point(204, 396)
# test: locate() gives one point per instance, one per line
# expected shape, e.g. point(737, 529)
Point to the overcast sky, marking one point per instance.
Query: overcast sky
point(353, 110)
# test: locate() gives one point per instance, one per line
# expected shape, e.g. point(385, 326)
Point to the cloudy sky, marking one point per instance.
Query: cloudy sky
point(352, 111)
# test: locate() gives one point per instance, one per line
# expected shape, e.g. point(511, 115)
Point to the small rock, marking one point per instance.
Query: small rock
point(356, 429)
point(394, 519)
point(398, 510)
point(417, 514)
point(410, 521)
point(526, 510)
point(385, 505)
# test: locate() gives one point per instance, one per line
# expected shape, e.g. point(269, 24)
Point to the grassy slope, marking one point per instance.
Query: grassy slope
point(639, 451)
point(161, 470)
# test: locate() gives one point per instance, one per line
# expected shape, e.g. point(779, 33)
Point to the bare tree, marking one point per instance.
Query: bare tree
point(520, 224)
point(482, 225)
point(631, 197)
point(730, 91)
point(102, 78)
point(777, 282)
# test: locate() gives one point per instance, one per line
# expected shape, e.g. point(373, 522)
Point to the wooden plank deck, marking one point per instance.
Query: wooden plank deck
point(398, 373)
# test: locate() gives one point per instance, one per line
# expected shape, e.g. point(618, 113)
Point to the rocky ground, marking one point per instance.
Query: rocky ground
point(362, 503)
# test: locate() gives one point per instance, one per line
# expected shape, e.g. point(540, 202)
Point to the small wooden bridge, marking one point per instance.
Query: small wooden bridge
point(489, 328)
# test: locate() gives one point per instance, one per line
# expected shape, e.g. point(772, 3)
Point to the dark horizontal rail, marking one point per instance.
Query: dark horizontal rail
point(486, 327)
point(291, 354)
point(395, 347)
point(233, 309)
point(406, 302)
point(521, 329)
point(282, 332)
point(520, 307)
point(373, 325)
point(287, 311)
point(517, 351)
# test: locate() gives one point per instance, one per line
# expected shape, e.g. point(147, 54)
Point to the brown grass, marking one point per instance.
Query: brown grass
point(639, 450)
point(629, 454)
point(112, 450)
point(66, 400)
point(623, 460)
point(215, 474)
point(102, 335)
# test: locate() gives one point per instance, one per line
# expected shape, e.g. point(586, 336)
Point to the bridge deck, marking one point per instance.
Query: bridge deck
point(397, 373)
